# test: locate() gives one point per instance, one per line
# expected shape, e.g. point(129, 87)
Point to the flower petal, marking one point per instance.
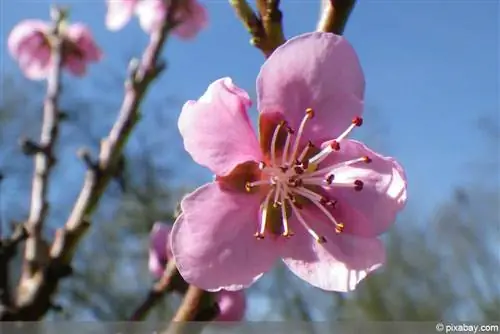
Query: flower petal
point(213, 240)
point(232, 305)
point(193, 18)
point(315, 70)
point(372, 210)
point(82, 38)
point(159, 251)
point(216, 129)
point(119, 13)
point(151, 14)
point(339, 264)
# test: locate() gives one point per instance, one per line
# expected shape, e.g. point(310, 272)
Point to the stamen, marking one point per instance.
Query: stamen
point(263, 222)
point(287, 145)
point(319, 203)
point(309, 114)
point(334, 146)
point(277, 192)
point(304, 151)
point(273, 141)
point(329, 169)
point(356, 122)
point(319, 239)
point(250, 185)
point(286, 229)
point(358, 185)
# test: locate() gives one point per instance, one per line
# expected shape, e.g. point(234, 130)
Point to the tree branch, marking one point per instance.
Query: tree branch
point(170, 281)
point(44, 152)
point(334, 15)
point(35, 293)
point(266, 29)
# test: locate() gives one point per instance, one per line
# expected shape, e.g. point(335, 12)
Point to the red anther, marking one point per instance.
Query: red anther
point(335, 145)
point(330, 179)
point(259, 235)
point(321, 240)
point(298, 170)
point(284, 169)
point(358, 185)
point(358, 121)
point(310, 144)
point(288, 234)
point(323, 201)
point(310, 113)
point(332, 203)
point(290, 130)
point(305, 164)
point(367, 159)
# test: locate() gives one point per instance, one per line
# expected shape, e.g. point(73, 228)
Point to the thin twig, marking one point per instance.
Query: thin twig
point(196, 306)
point(33, 303)
point(44, 155)
point(334, 15)
point(266, 28)
point(170, 281)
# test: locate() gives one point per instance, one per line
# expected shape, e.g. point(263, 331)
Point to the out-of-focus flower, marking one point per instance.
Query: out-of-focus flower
point(190, 15)
point(303, 192)
point(232, 304)
point(29, 44)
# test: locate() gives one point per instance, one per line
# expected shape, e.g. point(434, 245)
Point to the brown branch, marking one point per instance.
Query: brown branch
point(35, 253)
point(170, 281)
point(266, 29)
point(197, 305)
point(334, 16)
point(35, 293)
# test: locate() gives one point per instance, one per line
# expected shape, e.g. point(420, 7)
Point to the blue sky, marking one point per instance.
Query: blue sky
point(431, 70)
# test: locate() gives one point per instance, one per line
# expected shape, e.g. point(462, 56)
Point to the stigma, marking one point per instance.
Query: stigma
point(294, 176)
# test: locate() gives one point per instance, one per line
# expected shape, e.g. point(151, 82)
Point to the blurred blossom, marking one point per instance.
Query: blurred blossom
point(302, 191)
point(192, 16)
point(232, 304)
point(29, 44)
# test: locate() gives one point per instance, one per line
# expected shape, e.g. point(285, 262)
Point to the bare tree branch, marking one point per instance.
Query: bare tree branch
point(170, 281)
point(334, 15)
point(35, 293)
point(266, 29)
point(35, 252)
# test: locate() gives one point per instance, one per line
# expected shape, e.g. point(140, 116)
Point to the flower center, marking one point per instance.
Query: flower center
point(296, 178)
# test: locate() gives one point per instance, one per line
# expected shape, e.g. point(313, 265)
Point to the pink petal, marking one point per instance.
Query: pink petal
point(232, 305)
point(216, 129)
point(119, 13)
point(81, 36)
point(151, 14)
point(316, 70)
point(213, 240)
point(159, 251)
point(75, 65)
point(337, 265)
point(28, 45)
point(193, 19)
point(372, 210)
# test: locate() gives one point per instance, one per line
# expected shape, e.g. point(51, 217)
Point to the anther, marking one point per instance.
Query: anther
point(276, 204)
point(321, 240)
point(284, 169)
point(367, 159)
point(262, 165)
point(288, 234)
point(290, 130)
point(305, 164)
point(335, 145)
point(310, 113)
point(298, 170)
point(339, 228)
point(259, 235)
point(248, 187)
point(330, 179)
point(358, 121)
point(358, 185)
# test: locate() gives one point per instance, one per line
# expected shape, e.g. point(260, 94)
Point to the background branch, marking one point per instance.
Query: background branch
point(266, 28)
point(35, 293)
point(35, 252)
point(334, 15)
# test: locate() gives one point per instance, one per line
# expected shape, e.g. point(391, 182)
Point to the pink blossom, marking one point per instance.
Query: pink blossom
point(192, 16)
point(29, 44)
point(302, 192)
point(232, 304)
